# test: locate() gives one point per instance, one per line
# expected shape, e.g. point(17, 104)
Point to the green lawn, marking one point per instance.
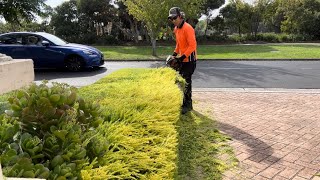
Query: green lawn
point(257, 51)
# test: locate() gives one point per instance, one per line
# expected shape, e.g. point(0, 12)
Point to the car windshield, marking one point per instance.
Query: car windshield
point(54, 39)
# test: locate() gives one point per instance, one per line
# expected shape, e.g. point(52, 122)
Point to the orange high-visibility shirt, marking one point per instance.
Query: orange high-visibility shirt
point(186, 43)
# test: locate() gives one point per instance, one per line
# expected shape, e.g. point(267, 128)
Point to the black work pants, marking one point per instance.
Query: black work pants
point(186, 72)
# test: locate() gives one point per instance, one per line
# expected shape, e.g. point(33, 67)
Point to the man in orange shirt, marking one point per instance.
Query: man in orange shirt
point(186, 46)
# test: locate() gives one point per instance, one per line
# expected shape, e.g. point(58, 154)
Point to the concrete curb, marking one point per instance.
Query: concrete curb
point(258, 90)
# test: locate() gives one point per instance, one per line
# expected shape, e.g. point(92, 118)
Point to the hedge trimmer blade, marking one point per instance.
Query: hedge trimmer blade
point(174, 63)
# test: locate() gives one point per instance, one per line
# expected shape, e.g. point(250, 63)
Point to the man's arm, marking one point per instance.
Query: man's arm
point(191, 39)
point(177, 49)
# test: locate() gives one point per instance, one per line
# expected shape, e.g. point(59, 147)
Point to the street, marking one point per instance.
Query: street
point(211, 74)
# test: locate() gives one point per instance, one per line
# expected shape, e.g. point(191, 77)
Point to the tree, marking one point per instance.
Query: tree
point(218, 25)
point(311, 18)
point(301, 17)
point(65, 21)
point(237, 14)
point(154, 13)
point(14, 11)
point(127, 22)
point(207, 8)
point(98, 12)
point(293, 11)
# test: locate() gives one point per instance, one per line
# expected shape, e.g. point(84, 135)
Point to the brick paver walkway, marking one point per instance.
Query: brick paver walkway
point(274, 135)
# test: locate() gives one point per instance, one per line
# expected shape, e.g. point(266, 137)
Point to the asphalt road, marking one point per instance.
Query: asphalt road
point(212, 74)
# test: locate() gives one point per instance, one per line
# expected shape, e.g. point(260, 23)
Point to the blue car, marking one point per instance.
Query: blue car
point(49, 51)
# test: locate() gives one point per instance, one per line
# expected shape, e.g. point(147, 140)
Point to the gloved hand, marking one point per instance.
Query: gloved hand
point(174, 63)
point(181, 58)
point(174, 54)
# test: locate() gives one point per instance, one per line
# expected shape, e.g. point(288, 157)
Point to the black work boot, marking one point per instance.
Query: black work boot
point(184, 110)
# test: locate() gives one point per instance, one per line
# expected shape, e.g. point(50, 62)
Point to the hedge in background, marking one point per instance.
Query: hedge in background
point(141, 107)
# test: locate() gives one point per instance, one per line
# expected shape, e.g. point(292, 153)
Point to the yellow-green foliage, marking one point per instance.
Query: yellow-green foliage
point(142, 107)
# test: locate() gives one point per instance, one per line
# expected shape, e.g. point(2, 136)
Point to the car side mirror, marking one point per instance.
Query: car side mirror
point(45, 43)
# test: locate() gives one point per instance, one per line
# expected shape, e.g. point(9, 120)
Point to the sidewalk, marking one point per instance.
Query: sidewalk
point(275, 134)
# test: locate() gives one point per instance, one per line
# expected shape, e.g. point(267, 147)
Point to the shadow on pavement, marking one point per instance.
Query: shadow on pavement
point(49, 74)
point(258, 149)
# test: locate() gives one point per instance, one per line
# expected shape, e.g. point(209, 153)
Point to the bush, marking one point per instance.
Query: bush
point(107, 40)
point(236, 38)
point(268, 37)
point(50, 133)
point(217, 38)
point(299, 37)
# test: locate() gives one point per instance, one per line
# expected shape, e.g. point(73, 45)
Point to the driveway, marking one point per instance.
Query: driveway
point(275, 135)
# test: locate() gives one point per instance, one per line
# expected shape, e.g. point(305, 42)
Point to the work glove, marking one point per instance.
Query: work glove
point(174, 63)
point(181, 58)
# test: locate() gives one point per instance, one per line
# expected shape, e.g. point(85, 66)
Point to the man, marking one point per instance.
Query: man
point(186, 46)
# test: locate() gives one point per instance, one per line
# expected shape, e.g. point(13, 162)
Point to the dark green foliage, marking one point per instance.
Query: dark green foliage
point(13, 10)
point(50, 133)
point(107, 40)
point(270, 37)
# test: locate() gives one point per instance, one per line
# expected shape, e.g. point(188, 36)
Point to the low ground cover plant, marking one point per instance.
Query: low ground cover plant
point(142, 106)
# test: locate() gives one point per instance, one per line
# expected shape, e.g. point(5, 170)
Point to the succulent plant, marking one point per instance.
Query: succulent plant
point(50, 132)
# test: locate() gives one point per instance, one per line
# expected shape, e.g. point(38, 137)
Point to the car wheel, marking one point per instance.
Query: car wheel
point(74, 63)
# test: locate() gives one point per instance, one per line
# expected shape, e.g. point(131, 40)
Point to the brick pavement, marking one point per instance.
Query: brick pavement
point(275, 135)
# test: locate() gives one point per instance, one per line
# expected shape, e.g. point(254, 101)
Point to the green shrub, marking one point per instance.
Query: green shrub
point(4, 101)
point(50, 133)
point(107, 40)
point(142, 106)
point(283, 38)
point(299, 37)
point(236, 38)
point(268, 37)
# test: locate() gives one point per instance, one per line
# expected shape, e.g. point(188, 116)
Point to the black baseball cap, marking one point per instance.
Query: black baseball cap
point(174, 12)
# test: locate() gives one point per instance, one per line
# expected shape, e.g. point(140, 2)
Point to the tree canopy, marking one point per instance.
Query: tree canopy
point(13, 11)
point(154, 13)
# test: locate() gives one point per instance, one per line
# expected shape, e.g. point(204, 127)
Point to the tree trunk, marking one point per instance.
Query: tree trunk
point(133, 29)
point(154, 42)
point(145, 33)
point(136, 30)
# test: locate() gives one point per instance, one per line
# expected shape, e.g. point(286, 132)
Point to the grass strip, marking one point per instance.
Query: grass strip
point(241, 51)
point(203, 152)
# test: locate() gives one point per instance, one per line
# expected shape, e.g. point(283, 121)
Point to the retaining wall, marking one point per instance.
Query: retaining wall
point(15, 73)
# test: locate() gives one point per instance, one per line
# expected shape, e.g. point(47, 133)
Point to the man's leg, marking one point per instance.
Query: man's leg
point(187, 98)
point(186, 72)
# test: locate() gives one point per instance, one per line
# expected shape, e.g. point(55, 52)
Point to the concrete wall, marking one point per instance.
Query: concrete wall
point(15, 74)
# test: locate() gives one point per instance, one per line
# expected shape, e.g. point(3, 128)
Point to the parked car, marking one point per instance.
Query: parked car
point(49, 51)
